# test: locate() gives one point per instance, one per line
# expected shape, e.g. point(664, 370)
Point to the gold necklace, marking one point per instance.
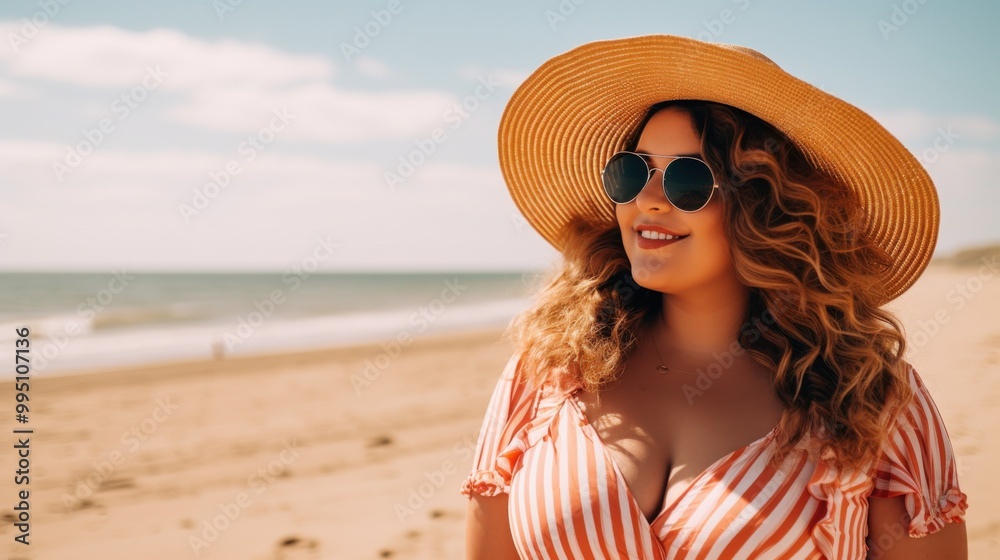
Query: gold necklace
point(663, 369)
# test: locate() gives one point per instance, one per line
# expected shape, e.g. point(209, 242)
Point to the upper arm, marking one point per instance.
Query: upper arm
point(501, 442)
point(487, 529)
point(916, 507)
point(888, 537)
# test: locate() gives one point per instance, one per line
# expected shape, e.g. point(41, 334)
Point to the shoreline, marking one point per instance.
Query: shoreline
point(151, 344)
point(194, 367)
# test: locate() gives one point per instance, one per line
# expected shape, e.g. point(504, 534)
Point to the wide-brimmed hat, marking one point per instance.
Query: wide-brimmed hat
point(578, 108)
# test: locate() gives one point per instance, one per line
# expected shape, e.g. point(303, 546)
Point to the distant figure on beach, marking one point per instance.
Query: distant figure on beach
point(709, 372)
point(218, 349)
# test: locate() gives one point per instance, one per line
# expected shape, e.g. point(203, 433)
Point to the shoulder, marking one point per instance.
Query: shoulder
point(918, 462)
point(517, 405)
point(530, 376)
point(918, 417)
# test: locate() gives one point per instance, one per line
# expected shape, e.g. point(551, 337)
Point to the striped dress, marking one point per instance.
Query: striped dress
point(569, 500)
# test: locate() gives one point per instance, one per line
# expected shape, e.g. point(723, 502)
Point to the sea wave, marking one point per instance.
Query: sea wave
point(57, 353)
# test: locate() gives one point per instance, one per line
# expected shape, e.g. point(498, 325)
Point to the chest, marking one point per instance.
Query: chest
point(663, 432)
point(567, 495)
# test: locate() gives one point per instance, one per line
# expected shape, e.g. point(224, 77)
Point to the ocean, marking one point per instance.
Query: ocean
point(84, 321)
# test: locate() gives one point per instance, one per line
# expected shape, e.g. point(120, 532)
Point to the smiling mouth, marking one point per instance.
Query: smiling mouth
point(656, 240)
point(657, 236)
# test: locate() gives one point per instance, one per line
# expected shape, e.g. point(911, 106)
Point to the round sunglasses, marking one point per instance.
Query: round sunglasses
point(688, 182)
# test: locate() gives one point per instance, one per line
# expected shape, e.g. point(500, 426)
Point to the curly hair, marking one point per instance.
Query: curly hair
point(799, 244)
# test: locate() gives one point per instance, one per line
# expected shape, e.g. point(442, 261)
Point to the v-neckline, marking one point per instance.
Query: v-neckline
point(666, 510)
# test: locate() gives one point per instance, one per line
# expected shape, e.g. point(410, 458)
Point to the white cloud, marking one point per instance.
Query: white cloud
point(111, 57)
point(224, 85)
point(12, 89)
point(126, 204)
point(506, 77)
point(969, 197)
point(372, 67)
point(966, 173)
point(321, 112)
point(915, 126)
point(510, 78)
point(27, 166)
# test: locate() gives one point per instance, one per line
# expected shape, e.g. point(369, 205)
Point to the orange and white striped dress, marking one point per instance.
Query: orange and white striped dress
point(568, 499)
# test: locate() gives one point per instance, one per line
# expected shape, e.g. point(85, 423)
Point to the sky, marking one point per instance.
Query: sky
point(250, 135)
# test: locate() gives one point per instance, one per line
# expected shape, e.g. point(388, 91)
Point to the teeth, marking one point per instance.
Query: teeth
point(648, 234)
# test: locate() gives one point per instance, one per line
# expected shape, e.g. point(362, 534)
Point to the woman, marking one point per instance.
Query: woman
point(709, 373)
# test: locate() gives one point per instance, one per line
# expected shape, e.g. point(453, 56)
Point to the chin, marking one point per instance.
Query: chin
point(657, 280)
point(648, 268)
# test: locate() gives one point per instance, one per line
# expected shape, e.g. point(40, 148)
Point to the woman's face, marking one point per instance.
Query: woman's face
point(702, 258)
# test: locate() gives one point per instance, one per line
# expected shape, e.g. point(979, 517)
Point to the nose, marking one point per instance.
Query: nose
point(651, 198)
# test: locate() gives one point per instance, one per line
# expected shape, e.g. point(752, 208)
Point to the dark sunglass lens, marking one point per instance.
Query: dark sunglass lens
point(624, 176)
point(688, 183)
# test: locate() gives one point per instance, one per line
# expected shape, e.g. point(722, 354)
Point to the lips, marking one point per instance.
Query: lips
point(659, 229)
point(656, 243)
point(646, 243)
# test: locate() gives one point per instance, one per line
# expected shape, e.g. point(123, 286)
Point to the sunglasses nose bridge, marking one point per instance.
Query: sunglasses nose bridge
point(650, 171)
point(657, 191)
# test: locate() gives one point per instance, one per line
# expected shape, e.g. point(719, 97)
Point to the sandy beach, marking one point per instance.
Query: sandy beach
point(359, 452)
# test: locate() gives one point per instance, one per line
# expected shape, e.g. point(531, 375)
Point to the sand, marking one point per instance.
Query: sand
point(290, 457)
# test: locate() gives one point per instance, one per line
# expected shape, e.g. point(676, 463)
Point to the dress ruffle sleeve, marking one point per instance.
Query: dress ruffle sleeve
point(918, 463)
point(502, 438)
point(842, 491)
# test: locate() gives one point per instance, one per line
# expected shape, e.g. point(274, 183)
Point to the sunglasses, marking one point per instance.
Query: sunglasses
point(688, 182)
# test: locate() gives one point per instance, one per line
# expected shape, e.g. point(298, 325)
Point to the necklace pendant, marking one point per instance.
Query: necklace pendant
point(662, 369)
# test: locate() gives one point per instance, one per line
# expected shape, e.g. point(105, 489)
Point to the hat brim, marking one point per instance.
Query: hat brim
point(578, 108)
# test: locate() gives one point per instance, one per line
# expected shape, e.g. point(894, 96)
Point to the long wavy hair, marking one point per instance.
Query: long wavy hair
point(813, 317)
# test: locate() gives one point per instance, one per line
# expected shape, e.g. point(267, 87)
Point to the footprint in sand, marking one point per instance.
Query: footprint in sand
point(379, 441)
point(297, 548)
point(117, 483)
point(445, 513)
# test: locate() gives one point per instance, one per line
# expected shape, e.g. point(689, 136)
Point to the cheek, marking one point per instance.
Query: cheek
point(621, 213)
point(623, 217)
point(713, 246)
point(714, 253)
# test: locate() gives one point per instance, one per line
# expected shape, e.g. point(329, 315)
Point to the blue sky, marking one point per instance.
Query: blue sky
point(258, 101)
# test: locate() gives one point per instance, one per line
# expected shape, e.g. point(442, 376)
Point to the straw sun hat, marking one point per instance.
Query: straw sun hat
point(578, 108)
